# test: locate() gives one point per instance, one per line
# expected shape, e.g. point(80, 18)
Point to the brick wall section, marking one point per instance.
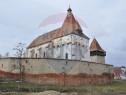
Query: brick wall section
point(9, 74)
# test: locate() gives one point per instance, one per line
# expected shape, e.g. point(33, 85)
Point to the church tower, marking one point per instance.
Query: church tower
point(66, 42)
point(96, 52)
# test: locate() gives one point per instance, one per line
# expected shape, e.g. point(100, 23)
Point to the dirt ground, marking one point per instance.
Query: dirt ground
point(58, 93)
point(124, 93)
point(50, 93)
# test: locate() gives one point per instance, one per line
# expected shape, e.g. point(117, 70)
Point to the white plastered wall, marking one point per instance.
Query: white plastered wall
point(80, 48)
point(98, 59)
point(44, 66)
point(75, 46)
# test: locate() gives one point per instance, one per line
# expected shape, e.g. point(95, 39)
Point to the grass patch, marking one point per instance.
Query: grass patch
point(116, 87)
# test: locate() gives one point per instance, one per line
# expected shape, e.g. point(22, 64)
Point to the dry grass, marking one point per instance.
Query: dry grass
point(24, 88)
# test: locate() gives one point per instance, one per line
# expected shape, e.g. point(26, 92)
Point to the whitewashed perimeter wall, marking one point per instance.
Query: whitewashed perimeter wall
point(44, 66)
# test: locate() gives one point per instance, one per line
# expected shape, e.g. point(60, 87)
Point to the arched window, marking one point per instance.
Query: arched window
point(44, 55)
point(36, 55)
point(66, 55)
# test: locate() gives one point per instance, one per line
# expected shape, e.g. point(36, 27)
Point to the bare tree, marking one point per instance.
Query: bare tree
point(20, 48)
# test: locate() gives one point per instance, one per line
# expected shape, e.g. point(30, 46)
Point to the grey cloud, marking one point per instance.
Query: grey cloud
point(106, 21)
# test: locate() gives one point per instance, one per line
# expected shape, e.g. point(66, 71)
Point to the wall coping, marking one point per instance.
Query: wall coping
point(57, 59)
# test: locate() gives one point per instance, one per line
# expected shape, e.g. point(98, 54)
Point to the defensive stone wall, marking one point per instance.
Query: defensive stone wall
point(56, 71)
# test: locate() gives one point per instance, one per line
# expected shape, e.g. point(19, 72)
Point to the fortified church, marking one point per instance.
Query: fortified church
point(61, 57)
point(67, 42)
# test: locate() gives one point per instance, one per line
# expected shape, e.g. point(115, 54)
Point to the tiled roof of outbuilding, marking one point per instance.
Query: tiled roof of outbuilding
point(118, 71)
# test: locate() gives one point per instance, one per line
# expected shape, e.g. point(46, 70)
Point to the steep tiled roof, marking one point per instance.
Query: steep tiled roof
point(44, 38)
point(118, 71)
point(95, 46)
point(70, 26)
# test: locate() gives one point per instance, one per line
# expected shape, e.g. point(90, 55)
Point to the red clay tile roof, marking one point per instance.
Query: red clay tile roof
point(118, 71)
point(95, 46)
point(44, 38)
point(70, 26)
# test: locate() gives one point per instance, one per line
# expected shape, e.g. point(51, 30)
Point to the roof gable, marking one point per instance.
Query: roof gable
point(95, 46)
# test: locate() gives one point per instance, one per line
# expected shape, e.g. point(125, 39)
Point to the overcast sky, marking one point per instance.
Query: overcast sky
point(106, 21)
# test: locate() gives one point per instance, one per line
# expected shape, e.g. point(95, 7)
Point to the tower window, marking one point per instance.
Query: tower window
point(80, 32)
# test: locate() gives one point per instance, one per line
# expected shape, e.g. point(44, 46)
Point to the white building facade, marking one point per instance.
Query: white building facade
point(67, 42)
point(71, 47)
